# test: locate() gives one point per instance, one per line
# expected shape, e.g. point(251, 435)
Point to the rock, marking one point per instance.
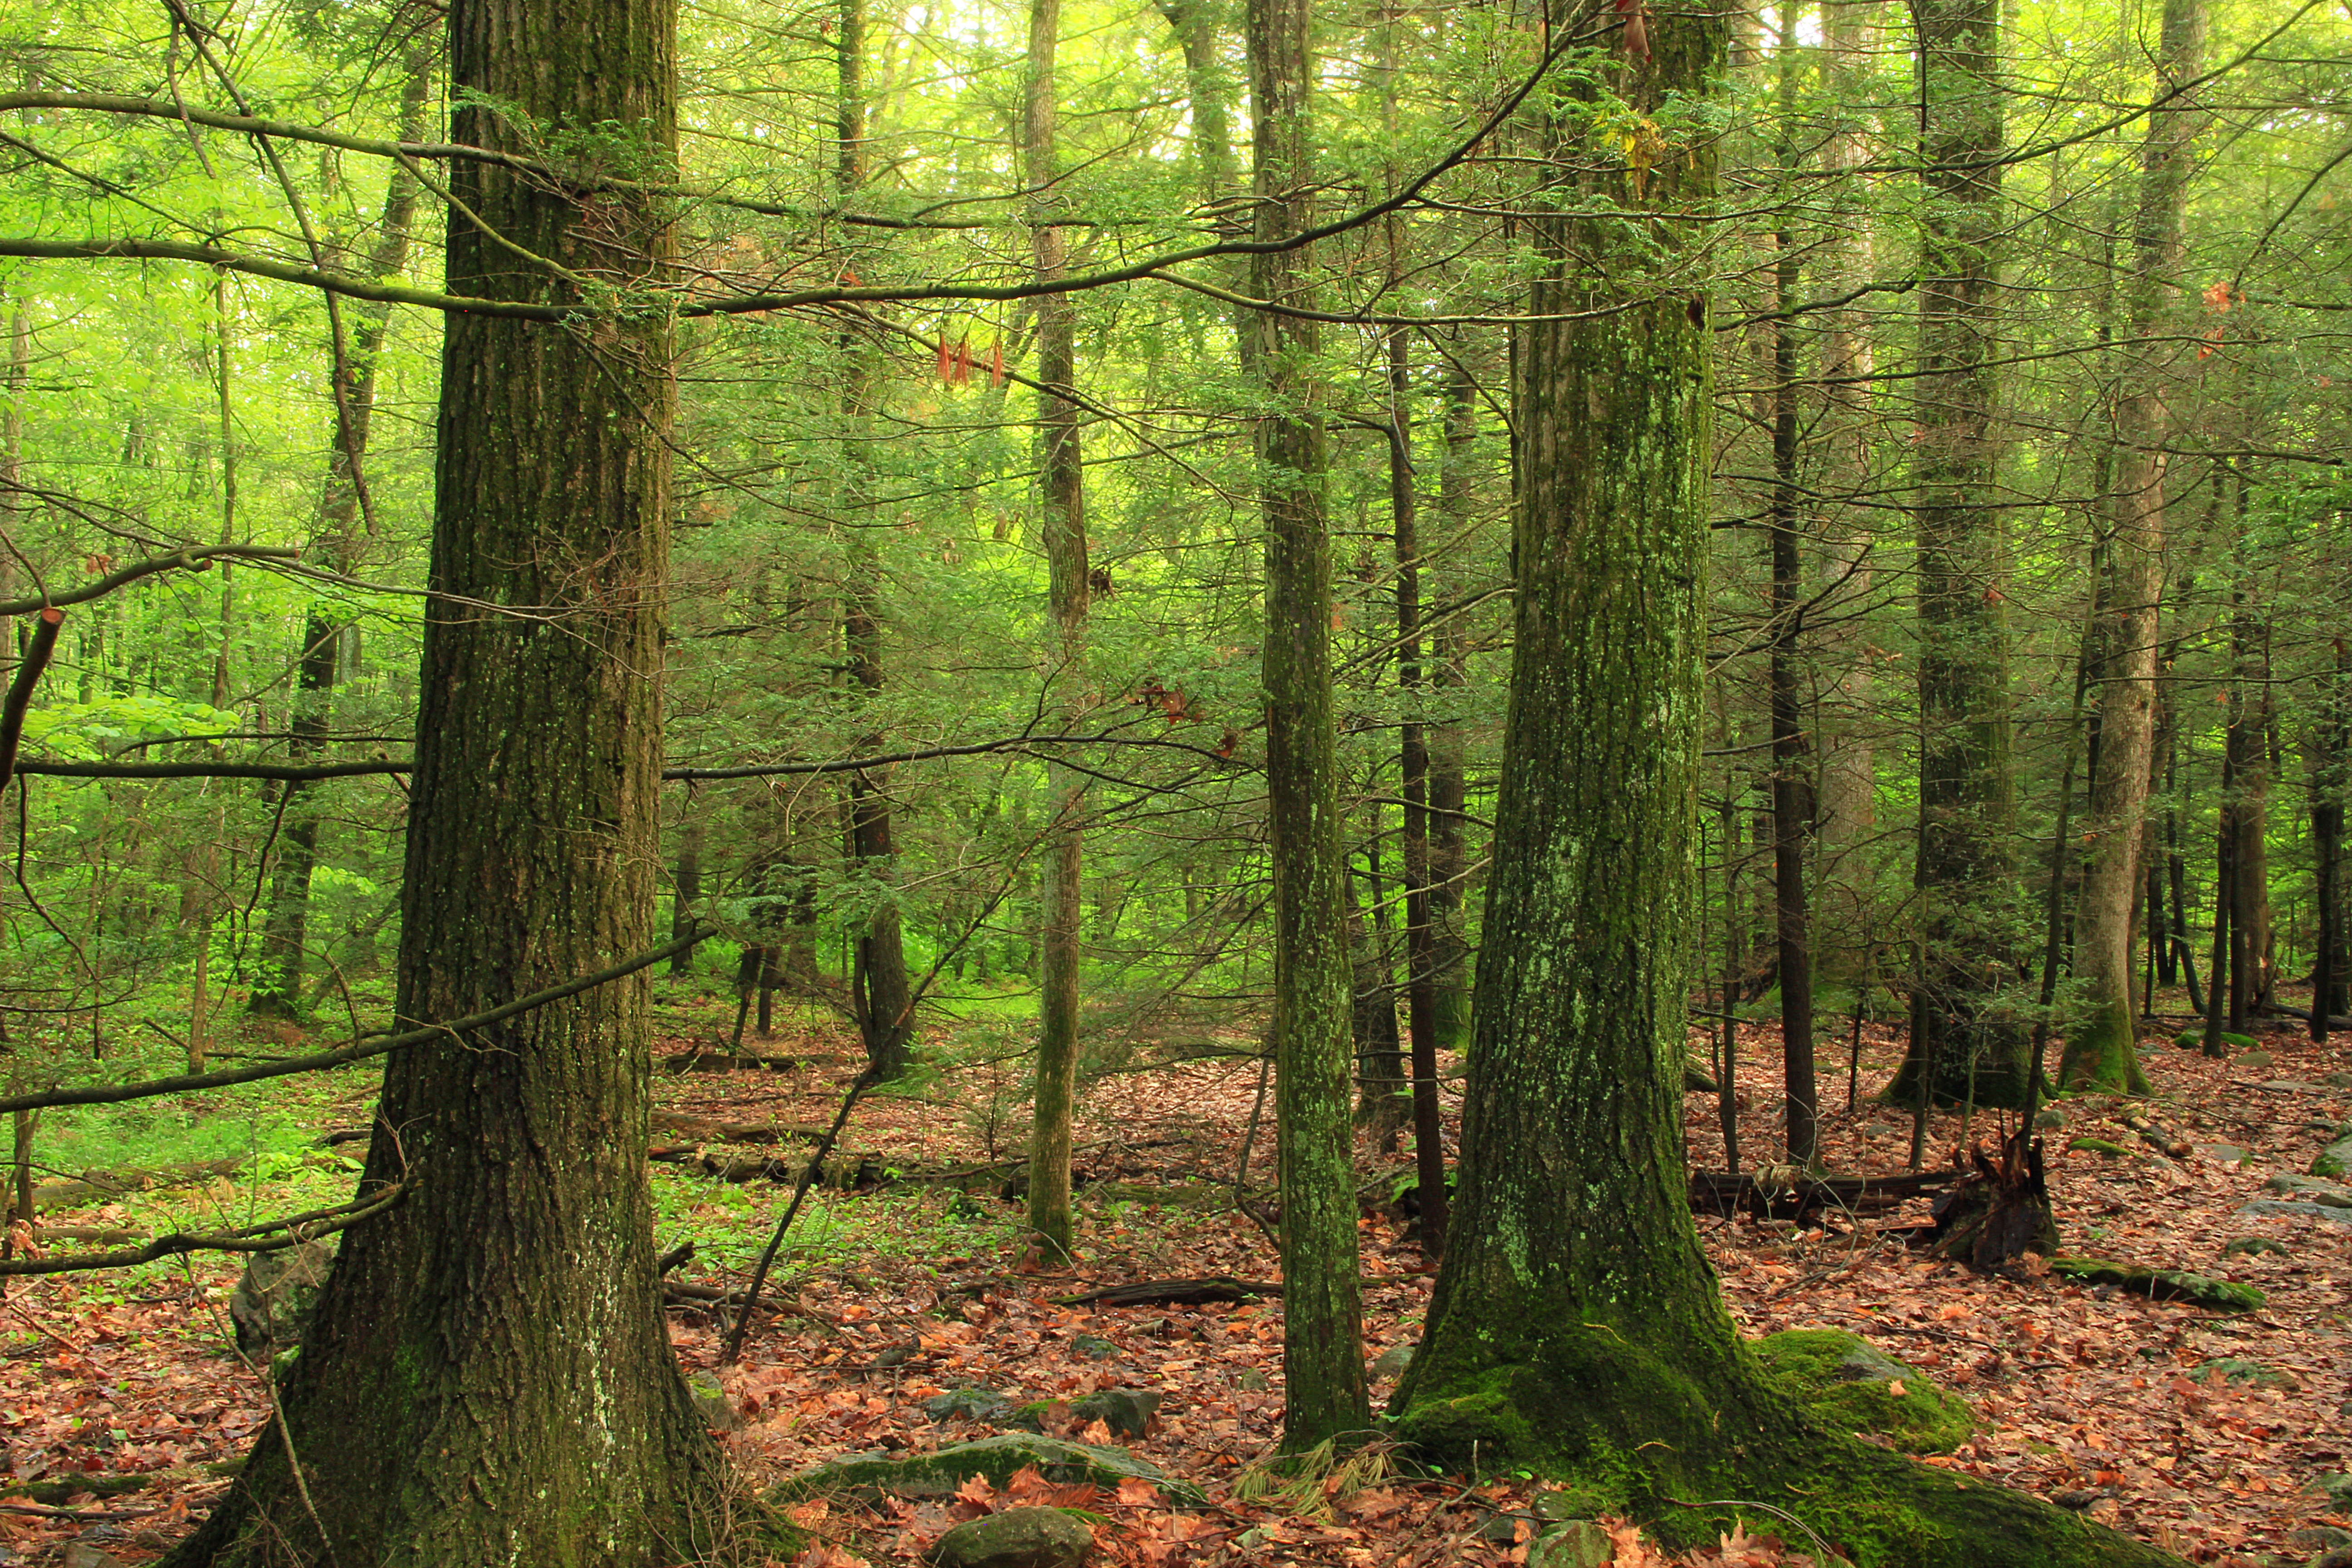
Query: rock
point(2194, 1039)
point(2288, 1085)
point(1503, 1529)
point(2336, 1079)
point(1017, 1538)
point(973, 1404)
point(1578, 1543)
point(273, 1300)
point(2312, 1189)
point(1094, 1347)
point(1126, 1412)
point(1252, 1381)
point(2320, 1538)
point(2247, 1374)
point(1859, 1389)
point(1392, 1362)
point(2256, 1245)
point(2299, 1210)
point(2255, 1060)
point(82, 1554)
point(938, 1473)
point(2335, 1160)
point(2050, 1120)
point(2163, 1284)
point(718, 1411)
point(2223, 1153)
point(2336, 1487)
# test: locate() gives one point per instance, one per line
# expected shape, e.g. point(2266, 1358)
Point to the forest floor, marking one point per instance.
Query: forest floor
point(2203, 1432)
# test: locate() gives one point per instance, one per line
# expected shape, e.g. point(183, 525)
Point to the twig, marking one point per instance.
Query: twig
point(359, 1050)
point(742, 1323)
point(249, 1238)
point(20, 690)
point(198, 558)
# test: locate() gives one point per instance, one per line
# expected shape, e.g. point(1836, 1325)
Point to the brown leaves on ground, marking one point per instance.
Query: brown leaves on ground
point(2107, 1401)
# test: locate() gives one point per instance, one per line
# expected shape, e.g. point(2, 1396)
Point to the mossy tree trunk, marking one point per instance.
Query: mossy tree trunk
point(1322, 1340)
point(1062, 508)
point(2103, 1051)
point(1576, 1329)
point(1970, 927)
point(487, 1378)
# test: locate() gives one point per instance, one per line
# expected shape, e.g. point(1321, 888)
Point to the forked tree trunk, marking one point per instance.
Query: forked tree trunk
point(1576, 1330)
point(1322, 1335)
point(1962, 1043)
point(487, 1378)
point(2103, 1053)
point(1063, 498)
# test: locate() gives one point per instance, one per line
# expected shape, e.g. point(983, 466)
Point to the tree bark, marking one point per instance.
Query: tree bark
point(1576, 1330)
point(487, 1378)
point(1322, 1346)
point(2103, 1053)
point(1063, 510)
point(1449, 862)
point(1968, 920)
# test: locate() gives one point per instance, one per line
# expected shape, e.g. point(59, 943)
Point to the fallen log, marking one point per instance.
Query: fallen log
point(1785, 1192)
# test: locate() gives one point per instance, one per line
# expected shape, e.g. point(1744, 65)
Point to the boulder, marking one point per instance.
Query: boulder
point(273, 1300)
point(2311, 1189)
point(1128, 1412)
point(1392, 1362)
point(2247, 1374)
point(2335, 1160)
point(1858, 1388)
point(938, 1473)
point(968, 1403)
point(1017, 1538)
point(2299, 1210)
point(1578, 1543)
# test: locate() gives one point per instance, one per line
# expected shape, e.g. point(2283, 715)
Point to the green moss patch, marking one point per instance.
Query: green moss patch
point(938, 1473)
point(1856, 1388)
point(2161, 1284)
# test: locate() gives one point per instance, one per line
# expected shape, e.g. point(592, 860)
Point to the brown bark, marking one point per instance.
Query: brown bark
point(487, 1378)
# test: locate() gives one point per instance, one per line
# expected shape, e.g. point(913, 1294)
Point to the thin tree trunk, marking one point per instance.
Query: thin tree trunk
point(1068, 592)
point(1420, 936)
point(2103, 1053)
point(1323, 1359)
point(1449, 862)
point(1965, 872)
point(487, 1377)
point(687, 891)
point(286, 940)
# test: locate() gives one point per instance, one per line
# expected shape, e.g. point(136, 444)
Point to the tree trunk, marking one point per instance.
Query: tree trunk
point(1322, 1339)
point(1449, 860)
point(1961, 1042)
point(880, 991)
point(2331, 780)
point(2103, 1052)
point(1421, 945)
point(1062, 506)
point(285, 943)
point(687, 891)
point(1576, 1330)
point(487, 1378)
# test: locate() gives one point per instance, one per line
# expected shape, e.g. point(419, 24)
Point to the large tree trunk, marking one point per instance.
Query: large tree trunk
point(1322, 1336)
point(285, 943)
point(1962, 1043)
point(487, 1378)
point(1063, 495)
point(2103, 1053)
point(1576, 1330)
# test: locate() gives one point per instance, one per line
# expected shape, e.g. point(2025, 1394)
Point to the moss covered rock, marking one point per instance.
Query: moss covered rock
point(938, 1473)
point(1858, 1389)
point(2164, 1284)
point(1017, 1538)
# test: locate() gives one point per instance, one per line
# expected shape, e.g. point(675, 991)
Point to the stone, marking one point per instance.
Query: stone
point(1392, 1362)
point(1858, 1388)
point(2255, 1060)
point(938, 1473)
point(2311, 1189)
point(2299, 1210)
point(718, 1411)
point(1252, 1381)
point(2050, 1120)
point(2320, 1538)
point(82, 1554)
point(2336, 1487)
point(1094, 1347)
point(2223, 1153)
point(2336, 1079)
point(1577, 1543)
point(273, 1300)
point(971, 1404)
point(2247, 1374)
point(1128, 1412)
point(2253, 1244)
point(1017, 1538)
point(2161, 1284)
point(2335, 1160)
